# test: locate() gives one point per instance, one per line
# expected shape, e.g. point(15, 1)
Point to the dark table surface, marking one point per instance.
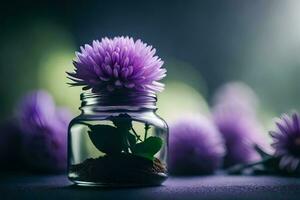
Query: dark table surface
point(19, 186)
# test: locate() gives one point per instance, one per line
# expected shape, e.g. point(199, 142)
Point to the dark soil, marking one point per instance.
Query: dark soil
point(119, 170)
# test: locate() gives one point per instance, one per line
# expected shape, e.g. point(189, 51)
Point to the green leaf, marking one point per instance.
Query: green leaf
point(272, 164)
point(122, 121)
point(261, 152)
point(107, 139)
point(149, 147)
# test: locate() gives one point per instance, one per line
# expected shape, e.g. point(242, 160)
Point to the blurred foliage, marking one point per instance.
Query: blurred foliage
point(179, 99)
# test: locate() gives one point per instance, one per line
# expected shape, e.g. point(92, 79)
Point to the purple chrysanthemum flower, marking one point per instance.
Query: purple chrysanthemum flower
point(44, 143)
point(286, 142)
point(234, 112)
point(195, 146)
point(118, 64)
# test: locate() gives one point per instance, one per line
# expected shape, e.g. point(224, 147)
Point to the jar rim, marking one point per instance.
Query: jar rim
point(90, 94)
point(138, 99)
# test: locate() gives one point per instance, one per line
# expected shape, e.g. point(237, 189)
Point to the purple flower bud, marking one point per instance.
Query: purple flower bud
point(234, 113)
point(195, 146)
point(44, 128)
point(240, 135)
point(237, 98)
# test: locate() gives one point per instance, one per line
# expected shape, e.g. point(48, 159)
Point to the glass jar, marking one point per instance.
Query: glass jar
point(117, 140)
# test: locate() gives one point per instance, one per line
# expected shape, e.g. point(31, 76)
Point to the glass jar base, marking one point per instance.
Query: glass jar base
point(103, 184)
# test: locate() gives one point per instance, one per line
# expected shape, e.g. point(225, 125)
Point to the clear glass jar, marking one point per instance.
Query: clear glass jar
point(117, 141)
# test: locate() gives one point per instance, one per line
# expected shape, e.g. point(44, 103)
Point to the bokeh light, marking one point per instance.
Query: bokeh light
point(178, 99)
point(52, 77)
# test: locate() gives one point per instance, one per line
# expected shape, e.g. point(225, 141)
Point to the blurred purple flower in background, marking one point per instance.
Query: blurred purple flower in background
point(195, 146)
point(118, 63)
point(36, 110)
point(286, 142)
point(240, 135)
point(234, 113)
point(44, 129)
point(237, 98)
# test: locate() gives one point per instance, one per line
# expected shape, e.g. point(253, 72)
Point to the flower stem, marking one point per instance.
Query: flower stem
point(136, 135)
point(147, 127)
point(239, 168)
point(126, 144)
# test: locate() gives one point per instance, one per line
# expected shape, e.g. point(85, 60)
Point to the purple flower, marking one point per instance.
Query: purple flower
point(234, 113)
point(36, 110)
point(240, 135)
point(195, 146)
point(237, 98)
point(118, 64)
point(44, 127)
point(286, 142)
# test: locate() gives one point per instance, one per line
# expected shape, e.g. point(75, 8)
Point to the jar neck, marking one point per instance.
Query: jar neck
point(117, 102)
